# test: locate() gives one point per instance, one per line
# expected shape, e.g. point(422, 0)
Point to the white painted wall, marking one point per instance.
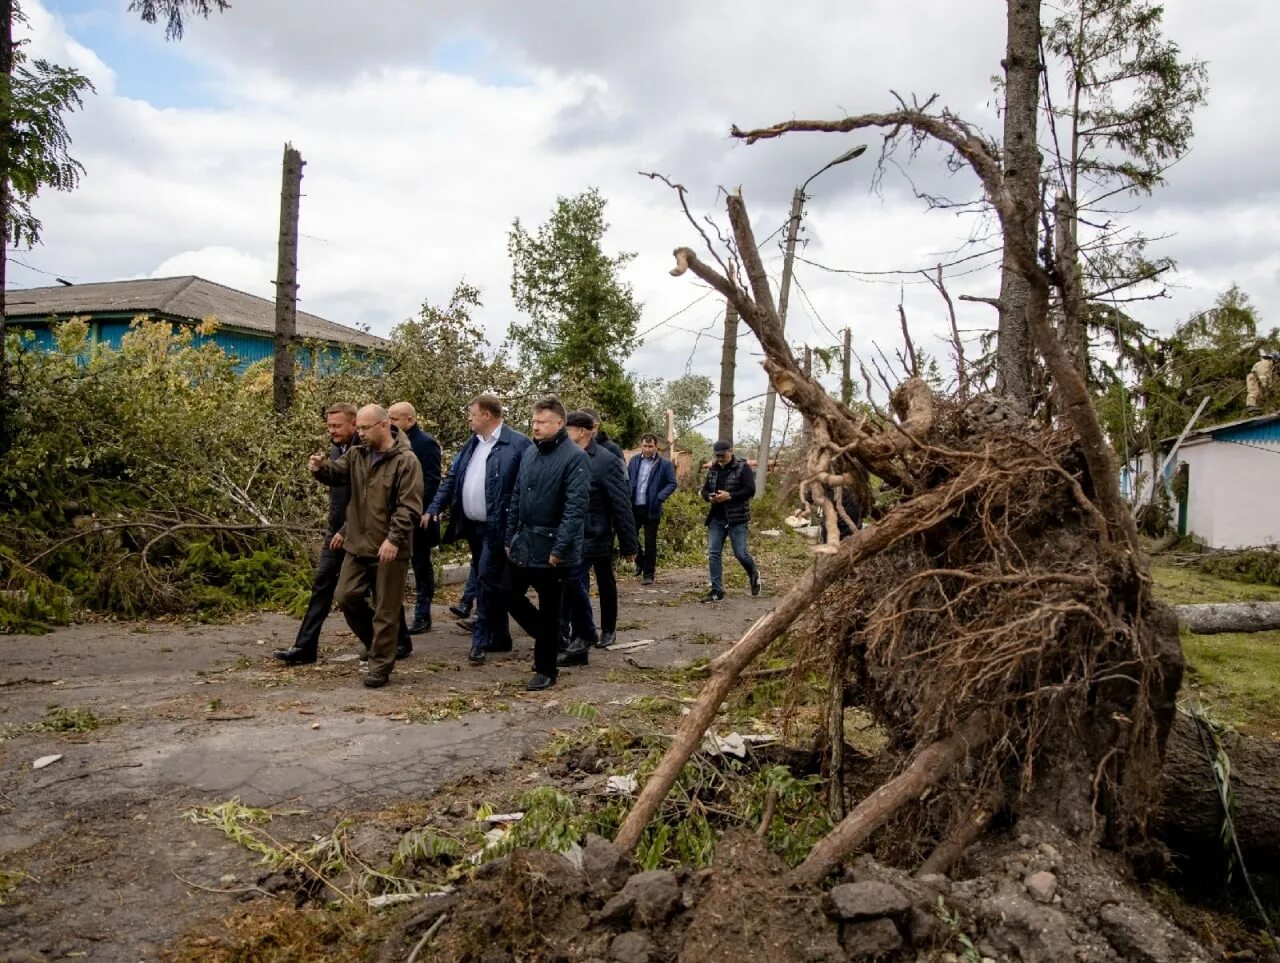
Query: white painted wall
point(1234, 492)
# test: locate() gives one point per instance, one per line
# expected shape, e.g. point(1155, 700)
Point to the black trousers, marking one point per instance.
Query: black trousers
point(424, 577)
point(549, 584)
point(647, 531)
point(323, 586)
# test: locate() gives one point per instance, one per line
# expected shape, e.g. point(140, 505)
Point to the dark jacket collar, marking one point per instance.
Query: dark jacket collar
point(547, 446)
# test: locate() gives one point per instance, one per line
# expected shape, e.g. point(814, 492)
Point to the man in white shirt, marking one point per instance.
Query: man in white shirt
point(475, 494)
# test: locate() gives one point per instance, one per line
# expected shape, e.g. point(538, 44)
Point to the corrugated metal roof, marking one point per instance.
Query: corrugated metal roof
point(1240, 426)
point(183, 297)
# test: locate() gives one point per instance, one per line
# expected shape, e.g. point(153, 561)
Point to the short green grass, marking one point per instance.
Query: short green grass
point(1235, 675)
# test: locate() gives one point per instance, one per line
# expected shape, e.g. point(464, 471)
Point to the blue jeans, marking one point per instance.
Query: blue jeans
point(717, 530)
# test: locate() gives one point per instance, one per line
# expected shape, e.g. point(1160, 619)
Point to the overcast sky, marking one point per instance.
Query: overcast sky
point(428, 127)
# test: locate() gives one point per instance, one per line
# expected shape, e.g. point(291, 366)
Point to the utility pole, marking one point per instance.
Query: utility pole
point(793, 230)
point(846, 368)
point(728, 368)
point(770, 396)
point(287, 280)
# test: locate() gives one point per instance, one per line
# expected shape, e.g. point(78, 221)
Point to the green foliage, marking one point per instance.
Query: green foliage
point(582, 315)
point(59, 719)
point(1209, 354)
point(173, 12)
point(33, 137)
point(440, 361)
point(688, 397)
point(1260, 567)
point(682, 536)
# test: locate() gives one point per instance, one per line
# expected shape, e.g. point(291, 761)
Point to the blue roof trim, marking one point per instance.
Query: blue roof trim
point(1266, 432)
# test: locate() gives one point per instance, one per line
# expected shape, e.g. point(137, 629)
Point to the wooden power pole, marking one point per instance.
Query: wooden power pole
point(287, 279)
point(728, 368)
point(846, 368)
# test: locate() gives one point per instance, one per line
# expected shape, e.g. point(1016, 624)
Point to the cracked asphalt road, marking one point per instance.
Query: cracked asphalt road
point(103, 864)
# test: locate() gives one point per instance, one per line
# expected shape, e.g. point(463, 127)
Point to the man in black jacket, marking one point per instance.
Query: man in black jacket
point(608, 513)
point(544, 531)
point(340, 421)
point(729, 487)
point(601, 438)
point(404, 417)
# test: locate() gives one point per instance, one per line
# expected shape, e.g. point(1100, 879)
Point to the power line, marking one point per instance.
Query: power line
point(698, 300)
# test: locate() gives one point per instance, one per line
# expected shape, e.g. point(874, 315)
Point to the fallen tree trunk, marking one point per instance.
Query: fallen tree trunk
point(1217, 617)
point(1190, 817)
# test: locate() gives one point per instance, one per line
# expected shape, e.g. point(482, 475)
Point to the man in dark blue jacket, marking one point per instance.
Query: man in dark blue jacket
point(609, 515)
point(544, 531)
point(653, 480)
point(404, 417)
point(476, 494)
point(340, 421)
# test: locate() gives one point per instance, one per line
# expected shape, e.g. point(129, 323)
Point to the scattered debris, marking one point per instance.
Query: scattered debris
point(45, 761)
point(623, 647)
point(622, 785)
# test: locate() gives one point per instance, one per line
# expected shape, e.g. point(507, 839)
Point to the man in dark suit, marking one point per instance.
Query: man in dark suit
point(477, 493)
point(340, 422)
point(653, 480)
point(427, 449)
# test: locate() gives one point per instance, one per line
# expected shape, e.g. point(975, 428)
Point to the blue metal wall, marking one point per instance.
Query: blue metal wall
point(1256, 434)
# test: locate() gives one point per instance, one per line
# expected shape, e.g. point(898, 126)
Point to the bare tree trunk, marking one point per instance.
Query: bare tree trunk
point(1215, 617)
point(6, 140)
point(728, 370)
point(287, 280)
point(1022, 181)
point(835, 729)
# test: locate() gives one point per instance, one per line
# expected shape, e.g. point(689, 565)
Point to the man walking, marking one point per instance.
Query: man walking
point(427, 450)
point(476, 493)
point(608, 513)
point(544, 531)
point(386, 499)
point(729, 487)
point(340, 421)
point(653, 480)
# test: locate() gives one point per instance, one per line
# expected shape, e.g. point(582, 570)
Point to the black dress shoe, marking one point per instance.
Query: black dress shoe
point(294, 656)
point(404, 651)
point(607, 639)
point(419, 626)
point(540, 682)
point(498, 646)
point(476, 654)
point(570, 657)
point(460, 610)
point(647, 580)
point(375, 681)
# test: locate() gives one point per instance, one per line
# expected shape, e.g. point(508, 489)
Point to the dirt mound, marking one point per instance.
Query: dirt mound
point(1035, 897)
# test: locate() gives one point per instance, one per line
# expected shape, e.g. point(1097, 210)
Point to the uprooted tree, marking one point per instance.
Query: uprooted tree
point(998, 619)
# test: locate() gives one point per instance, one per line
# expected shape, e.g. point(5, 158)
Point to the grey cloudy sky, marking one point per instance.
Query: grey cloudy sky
point(428, 127)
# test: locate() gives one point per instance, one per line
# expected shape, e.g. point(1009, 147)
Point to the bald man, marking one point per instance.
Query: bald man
point(386, 502)
point(404, 417)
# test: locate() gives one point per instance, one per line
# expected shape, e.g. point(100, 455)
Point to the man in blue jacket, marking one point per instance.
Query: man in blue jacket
point(427, 449)
point(653, 480)
point(544, 531)
point(476, 493)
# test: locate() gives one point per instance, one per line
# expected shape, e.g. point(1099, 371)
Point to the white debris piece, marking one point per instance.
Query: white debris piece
point(638, 644)
point(45, 761)
point(734, 744)
point(504, 818)
point(771, 532)
point(622, 785)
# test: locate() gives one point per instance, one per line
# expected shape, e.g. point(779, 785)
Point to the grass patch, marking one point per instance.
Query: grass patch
point(1188, 586)
point(345, 935)
point(1238, 676)
point(65, 719)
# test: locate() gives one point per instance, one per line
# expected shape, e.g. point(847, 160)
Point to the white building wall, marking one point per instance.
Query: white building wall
point(1233, 495)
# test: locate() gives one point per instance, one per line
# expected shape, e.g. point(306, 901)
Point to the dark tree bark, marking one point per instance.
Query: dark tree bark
point(287, 280)
point(1022, 181)
point(1190, 819)
point(728, 368)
